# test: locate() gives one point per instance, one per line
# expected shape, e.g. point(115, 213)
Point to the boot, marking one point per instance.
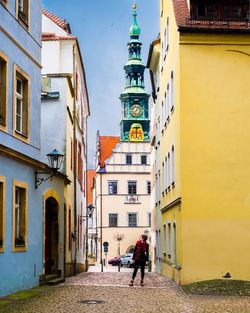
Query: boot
point(141, 283)
point(131, 283)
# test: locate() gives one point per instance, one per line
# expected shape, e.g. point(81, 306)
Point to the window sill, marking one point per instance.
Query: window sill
point(19, 248)
point(21, 137)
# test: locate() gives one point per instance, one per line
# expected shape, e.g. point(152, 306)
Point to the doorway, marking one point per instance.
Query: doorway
point(51, 236)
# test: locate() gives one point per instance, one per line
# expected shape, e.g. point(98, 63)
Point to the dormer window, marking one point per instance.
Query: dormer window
point(220, 10)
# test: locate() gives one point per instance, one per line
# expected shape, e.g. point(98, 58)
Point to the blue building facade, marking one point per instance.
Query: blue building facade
point(23, 224)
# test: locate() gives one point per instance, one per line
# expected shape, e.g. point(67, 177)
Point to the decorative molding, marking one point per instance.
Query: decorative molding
point(171, 205)
point(21, 47)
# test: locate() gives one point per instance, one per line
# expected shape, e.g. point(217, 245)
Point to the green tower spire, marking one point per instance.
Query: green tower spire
point(134, 30)
point(134, 100)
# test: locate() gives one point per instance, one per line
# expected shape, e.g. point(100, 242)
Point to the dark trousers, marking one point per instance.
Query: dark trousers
point(136, 266)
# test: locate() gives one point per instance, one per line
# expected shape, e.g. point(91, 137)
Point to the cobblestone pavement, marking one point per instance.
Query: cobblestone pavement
point(111, 288)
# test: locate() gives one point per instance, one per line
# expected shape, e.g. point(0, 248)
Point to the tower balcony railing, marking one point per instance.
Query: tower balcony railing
point(239, 23)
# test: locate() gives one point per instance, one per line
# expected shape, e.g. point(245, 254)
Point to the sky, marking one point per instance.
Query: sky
point(101, 27)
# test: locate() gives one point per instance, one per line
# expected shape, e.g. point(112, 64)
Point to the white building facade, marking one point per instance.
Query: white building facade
point(122, 193)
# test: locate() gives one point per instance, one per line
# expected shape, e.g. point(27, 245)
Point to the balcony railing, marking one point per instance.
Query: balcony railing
point(220, 23)
point(132, 199)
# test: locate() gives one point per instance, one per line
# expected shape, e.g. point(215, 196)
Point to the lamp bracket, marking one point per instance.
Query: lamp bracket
point(40, 180)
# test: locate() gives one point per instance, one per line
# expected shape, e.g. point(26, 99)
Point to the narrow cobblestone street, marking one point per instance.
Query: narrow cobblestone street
point(109, 292)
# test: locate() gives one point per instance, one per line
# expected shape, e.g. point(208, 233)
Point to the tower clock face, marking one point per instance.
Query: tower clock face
point(136, 110)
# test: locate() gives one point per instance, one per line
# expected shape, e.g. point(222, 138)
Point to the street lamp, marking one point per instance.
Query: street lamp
point(90, 209)
point(55, 159)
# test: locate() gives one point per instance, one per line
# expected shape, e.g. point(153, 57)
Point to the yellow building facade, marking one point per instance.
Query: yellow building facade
point(202, 135)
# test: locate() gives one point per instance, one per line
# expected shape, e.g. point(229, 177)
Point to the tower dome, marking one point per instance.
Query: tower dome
point(134, 30)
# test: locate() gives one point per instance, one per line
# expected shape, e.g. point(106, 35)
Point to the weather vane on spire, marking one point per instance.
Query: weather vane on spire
point(134, 5)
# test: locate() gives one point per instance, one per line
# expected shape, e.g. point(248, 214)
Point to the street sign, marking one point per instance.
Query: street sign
point(105, 246)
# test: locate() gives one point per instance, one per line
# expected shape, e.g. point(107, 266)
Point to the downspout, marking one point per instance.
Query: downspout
point(86, 202)
point(101, 221)
point(75, 160)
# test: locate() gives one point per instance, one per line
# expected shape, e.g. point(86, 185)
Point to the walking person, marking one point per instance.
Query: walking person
point(140, 257)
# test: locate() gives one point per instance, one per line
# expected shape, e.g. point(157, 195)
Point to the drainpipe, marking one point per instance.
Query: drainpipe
point(75, 160)
point(101, 222)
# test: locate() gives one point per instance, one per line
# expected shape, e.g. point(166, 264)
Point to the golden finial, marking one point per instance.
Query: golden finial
point(134, 6)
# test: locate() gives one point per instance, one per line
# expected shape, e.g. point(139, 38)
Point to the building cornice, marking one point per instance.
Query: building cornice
point(171, 205)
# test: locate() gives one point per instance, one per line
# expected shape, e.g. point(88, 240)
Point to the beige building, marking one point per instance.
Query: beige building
point(122, 194)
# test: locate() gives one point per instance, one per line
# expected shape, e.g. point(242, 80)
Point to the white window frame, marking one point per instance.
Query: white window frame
point(173, 164)
point(19, 96)
point(109, 219)
point(172, 91)
point(113, 181)
point(169, 170)
point(136, 214)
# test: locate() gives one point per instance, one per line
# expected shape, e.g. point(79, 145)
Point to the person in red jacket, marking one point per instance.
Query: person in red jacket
point(140, 257)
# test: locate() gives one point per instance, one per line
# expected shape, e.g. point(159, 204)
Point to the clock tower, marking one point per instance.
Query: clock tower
point(134, 100)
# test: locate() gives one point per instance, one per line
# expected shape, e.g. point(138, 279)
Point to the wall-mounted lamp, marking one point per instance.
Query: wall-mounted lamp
point(90, 209)
point(55, 161)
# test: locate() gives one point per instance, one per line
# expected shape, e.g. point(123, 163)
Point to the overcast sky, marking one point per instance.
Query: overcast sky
point(102, 30)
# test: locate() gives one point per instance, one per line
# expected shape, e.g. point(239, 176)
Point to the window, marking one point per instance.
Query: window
point(132, 188)
point(23, 12)
point(168, 171)
point(113, 220)
point(21, 104)
point(132, 219)
point(3, 90)
point(172, 91)
point(69, 228)
point(167, 103)
point(166, 174)
point(163, 114)
point(164, 240)
point(167, 34)
point(162, 178)
point(2, 212)
point(169, 240)
point(149, 219)
point(148, 187)
point(219, 10)
point(128, 159)
point(112, 187)
point(175, 253)
point(20, 216)
point(143, 159)
point(173, 164)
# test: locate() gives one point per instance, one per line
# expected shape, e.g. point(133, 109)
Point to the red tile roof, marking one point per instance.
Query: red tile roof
point(107, 144)
point(57, 20)
point(185, 23)
point(90, 175)
point(53, 37)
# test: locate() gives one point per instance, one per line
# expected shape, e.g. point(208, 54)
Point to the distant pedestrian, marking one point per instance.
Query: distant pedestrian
point(140, 257)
